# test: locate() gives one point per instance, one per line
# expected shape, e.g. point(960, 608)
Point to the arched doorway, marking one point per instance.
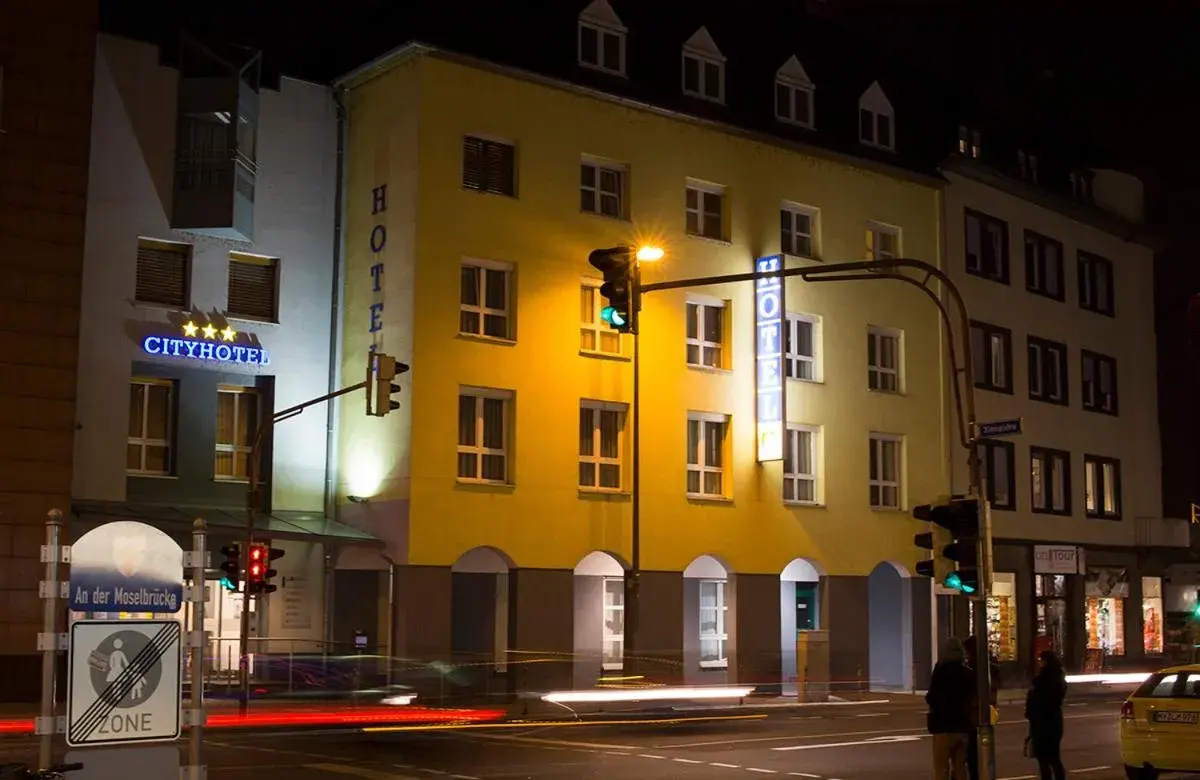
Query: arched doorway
point(889, 594)
point(799, 612)
point(599, 617)
point(706, 621)
point(479, 608)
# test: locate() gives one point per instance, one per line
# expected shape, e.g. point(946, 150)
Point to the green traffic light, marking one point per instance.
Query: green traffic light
point(956, 582)
point(613, 317)
point(228, 585)
point(1196, 611)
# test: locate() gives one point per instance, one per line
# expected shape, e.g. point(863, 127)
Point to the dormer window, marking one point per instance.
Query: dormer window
point(876, 119)
point(602, 38)
point(1081, 185)
point(793, 94)
point(703, 68)
point(969, 142)
point(1027, 165)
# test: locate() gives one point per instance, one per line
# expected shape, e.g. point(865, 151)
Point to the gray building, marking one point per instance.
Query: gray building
point(209, 285)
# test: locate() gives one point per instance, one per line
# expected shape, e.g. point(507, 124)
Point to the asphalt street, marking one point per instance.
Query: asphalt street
point(820, 742)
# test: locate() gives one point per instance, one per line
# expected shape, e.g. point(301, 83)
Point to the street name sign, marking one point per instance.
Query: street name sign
point(123, 682)
point(991, 430)
point(126, 567)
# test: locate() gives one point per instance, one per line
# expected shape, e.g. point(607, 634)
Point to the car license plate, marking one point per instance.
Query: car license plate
point(1176, 717)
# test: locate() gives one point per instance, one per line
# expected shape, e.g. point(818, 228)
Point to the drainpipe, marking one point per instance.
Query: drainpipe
point(335, 320)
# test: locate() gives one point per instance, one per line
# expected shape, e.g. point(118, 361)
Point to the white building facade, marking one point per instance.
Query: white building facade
point(1060, 294)
point(208, 292)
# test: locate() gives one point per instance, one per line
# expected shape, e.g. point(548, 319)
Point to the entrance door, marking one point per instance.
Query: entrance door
point(806, 606)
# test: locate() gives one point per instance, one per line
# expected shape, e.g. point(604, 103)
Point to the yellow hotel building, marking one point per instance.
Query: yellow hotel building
point(502, 483)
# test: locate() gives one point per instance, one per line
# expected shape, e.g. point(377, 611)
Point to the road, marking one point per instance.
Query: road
point(853, 742)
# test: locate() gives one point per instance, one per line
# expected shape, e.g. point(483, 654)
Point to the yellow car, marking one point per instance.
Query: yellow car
point(1160, 724)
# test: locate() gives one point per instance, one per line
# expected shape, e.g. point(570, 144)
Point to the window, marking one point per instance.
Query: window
point(705, 211)
point(797, 225)
point(875, 119)
point(885, 471)
point(703, 68)
point(1081, 185)
point(996, 460)
point(602, 189)
point(489, 166)
point(706, 334)
point(883, 242)
point(883, 359)
point(237, 419)
point(987, 246)
point(253, 287)
point(800, 465)
point(163, 271)
point(151, 427)
point(1096, 284)
point(613, 635)
point(595, 336)
point(706, 455)
point(1099, 382)
point(1044, 266)
point(712, 624)
point(800, 334)
point(793, 94)
point(484, 420)
point(1048, 371)
point(1050, 481)
point(601, 39)
point(1027, 166)
point(484, 300)
point(969, 142)
point(601, 427)
point(991, 355)
point(1102, 487)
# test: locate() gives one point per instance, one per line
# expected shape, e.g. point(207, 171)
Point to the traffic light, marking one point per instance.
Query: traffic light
point(620, 288)
point(386, 370)
point(231, 567)
point(954, 539)
point(259, 571)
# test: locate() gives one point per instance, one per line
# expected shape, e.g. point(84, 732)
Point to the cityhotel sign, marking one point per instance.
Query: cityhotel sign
point(768, 358)
point(378, 242)
point(207, 344)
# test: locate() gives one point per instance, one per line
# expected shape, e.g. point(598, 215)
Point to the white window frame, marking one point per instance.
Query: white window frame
point(700, 466)
point(240, 394)
point(482, 310)
point(1102, 482)
point(142, 442)
point(813, 214)
point(477, 449)
point(1043, 355)
point(700, 343)
point(1055, 470)
point(596, 459)
point(721, 635)
point(795, 89)
point(878, 334)
point(607, 635)
point(875, 102)
point(792, 437)
point(597, 326)
point(702, 217)
point(703, 55)
point(876, 229)
point(598, 165)
point(878, 440)
point(791, 358)
point(602, 27)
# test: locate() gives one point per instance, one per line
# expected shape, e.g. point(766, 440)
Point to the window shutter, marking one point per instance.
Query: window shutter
point(500, 169)
point(162, 273)
point(252, 287)
point(474, 175)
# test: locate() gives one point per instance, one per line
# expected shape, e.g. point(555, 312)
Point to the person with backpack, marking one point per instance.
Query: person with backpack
point(949, 718)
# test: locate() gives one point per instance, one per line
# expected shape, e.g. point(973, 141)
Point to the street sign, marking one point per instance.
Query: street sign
point(990, 430)
point(126, 567)
point(123, 682)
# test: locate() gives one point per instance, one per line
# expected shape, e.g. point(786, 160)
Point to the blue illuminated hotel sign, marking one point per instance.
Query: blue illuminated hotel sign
point(206, 343)
point(768, 358)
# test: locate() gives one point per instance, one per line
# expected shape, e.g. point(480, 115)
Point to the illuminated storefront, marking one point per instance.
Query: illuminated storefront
point(1001, 617)
point(1050, 608)
point(1153, 616)
point(1105, 592)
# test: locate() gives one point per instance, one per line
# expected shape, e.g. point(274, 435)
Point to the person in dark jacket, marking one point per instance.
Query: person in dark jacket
point(949, 719)
point(1044, 711)
point(971, 646)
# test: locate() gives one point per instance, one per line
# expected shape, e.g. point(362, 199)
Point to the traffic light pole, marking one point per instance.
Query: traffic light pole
point(964, 396)
point(633, 580)
point(253, 498)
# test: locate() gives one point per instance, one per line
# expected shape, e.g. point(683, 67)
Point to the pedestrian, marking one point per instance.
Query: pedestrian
point(971, 647)
point(1044, 711)
point(948, 719)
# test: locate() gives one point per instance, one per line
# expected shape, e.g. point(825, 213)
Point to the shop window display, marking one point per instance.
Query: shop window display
point(1001, 616)
point(1152, 615)
point(1106, 590)
point(1050, 591)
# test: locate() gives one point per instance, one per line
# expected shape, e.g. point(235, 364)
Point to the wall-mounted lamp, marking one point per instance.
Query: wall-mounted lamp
point(358, 500)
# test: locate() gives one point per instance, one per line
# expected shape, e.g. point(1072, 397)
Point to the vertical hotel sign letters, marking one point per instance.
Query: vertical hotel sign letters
point(768, 358)
point(378, 243)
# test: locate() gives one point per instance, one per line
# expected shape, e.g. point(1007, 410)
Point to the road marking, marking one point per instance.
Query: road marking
point(541, 724)
point(356, 771)
point(725, 766)
point(803, 774)
point(875, 741)
point(560, 742)
point(1088, 769)
point(873, 715)
point(687, 760)
point(647, 755)
point(762, 771)
point(464, 777)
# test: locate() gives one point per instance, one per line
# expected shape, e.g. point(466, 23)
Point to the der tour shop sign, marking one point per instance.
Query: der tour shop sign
point(1058, 559)
point(378, 242)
